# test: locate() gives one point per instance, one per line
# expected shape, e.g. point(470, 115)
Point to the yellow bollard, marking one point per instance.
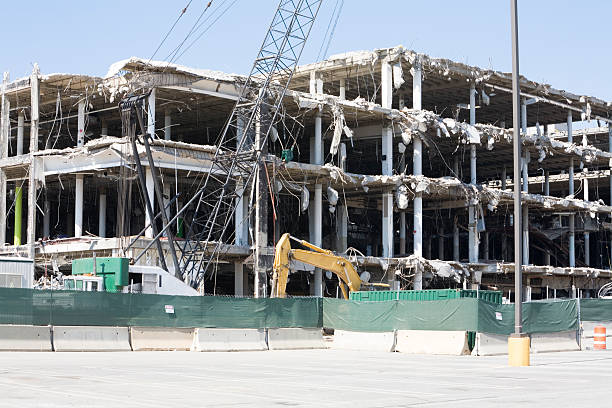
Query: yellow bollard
point(518, 351)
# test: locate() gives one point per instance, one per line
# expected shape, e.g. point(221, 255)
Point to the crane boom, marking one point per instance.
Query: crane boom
point(242, 144)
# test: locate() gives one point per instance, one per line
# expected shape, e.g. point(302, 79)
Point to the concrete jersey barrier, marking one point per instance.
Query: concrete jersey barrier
point(161, 338)
point(549, 342)
point(432, 342)
point(488, 344)
point(295, 339)
point(91, 338)
point(206, 339)
point(25, 338)
point(364, 341)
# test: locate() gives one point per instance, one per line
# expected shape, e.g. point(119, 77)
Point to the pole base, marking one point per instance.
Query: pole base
point(518, 351)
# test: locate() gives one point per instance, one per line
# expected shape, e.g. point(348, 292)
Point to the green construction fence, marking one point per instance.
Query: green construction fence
point(73, 308)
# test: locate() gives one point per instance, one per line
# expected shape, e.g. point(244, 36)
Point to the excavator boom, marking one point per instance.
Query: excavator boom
point(318, 257)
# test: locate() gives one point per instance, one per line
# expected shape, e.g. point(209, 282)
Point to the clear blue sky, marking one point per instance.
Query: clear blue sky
point(562, 42)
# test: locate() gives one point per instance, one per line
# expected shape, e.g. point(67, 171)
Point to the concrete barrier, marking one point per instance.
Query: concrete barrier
point(364, 341)
point(488, 344)
point(90, 338)
point(432, 342)
point(25, 338)
point(295, 338)
point(229, 340)
point(549, 342)
point(161, 338)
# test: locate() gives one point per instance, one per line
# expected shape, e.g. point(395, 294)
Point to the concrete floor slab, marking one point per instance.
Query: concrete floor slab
point(322, 378)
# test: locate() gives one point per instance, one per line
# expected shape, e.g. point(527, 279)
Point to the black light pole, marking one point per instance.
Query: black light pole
point(518, 345)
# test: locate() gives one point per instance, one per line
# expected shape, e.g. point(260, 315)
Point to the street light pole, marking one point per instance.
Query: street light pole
point(518, 345)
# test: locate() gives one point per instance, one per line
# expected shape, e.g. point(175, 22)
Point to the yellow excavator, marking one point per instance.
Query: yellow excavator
point(318, 257)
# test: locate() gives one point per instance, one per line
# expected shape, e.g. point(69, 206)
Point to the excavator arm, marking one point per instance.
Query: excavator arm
point(318, 257)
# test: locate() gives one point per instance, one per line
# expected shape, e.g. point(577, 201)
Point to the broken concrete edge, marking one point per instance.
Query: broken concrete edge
point(424, 124)
point(440, 187)
point(444, 67)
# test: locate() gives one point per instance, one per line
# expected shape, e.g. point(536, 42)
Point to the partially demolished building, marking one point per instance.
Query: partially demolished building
point(401, 161)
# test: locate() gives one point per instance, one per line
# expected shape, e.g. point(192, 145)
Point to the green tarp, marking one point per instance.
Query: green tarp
point(451, 314)
point(538, 317)
point(67, 308)
point(596, 310)
point(36, 307)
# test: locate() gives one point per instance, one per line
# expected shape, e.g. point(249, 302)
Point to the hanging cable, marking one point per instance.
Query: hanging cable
point(206, 29)
point(183, 11)
point(331, 36)
point(174, 52)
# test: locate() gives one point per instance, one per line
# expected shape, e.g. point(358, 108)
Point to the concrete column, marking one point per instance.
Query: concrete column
point(20, 127)
point(525, 187)
point(151, 113)
point(572, 243)
point(81, 124)
point(342, 88)
point(402, 233)
point(32, 182)
point(168, 126)
point(547, 193)
point(5, 128)
point(504, 178)
point(587, 240)
point(238, 279)
point(316, 86)
point(241, 221)
point(525, 210)
point(525, 229)
point(485, 246)
point(102, 213)
point(103, 129)
point(239, 239)
point(387, 169)
point(610, 178)
point(150, 192)
point(387, 166)
point(473, 240)
point(342, 217)
point(318, 236)
point(417, 170)
point(46, 219)
point(528, 291)
point(456, 257)
point(342, 211)
point(78, 206)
